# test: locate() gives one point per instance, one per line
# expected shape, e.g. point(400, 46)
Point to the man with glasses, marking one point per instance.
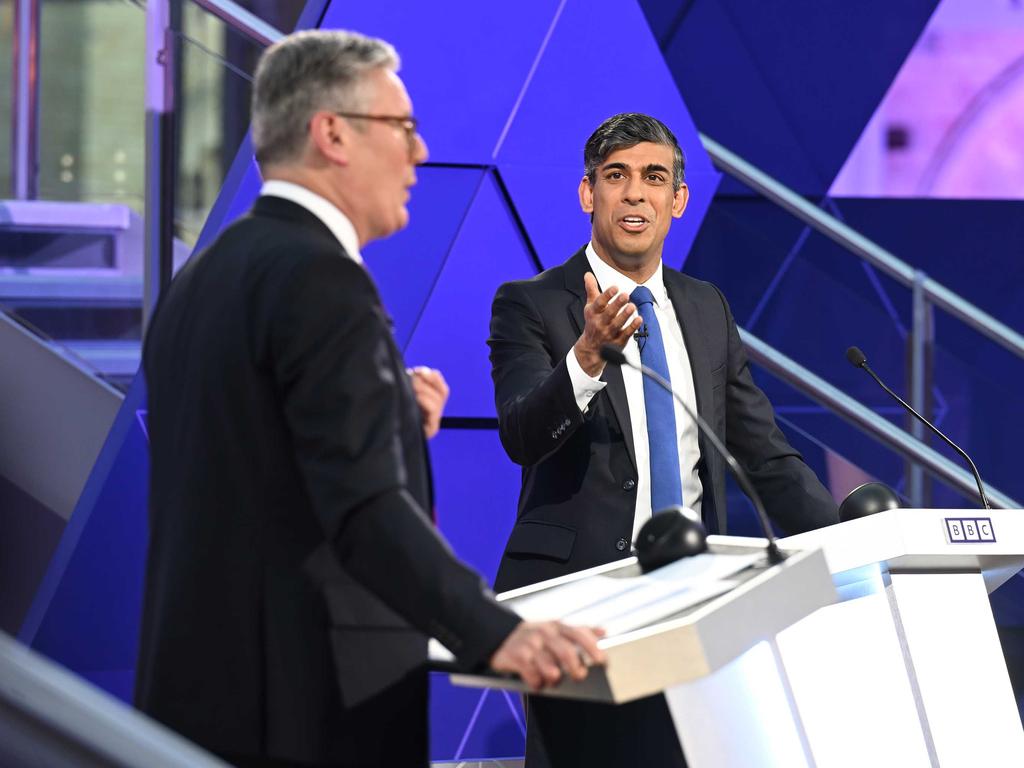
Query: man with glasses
point(293, 571)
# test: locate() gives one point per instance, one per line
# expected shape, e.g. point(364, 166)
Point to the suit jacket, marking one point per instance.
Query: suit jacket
point(579, 470)
point(292, 572)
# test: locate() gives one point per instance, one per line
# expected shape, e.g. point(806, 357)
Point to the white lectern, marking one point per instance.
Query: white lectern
point(907, 670)
point(717, 663)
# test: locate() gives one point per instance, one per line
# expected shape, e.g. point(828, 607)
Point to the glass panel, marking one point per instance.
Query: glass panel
point(216, 66)
point(213, 112)
point(81, 286)
point(91, 101)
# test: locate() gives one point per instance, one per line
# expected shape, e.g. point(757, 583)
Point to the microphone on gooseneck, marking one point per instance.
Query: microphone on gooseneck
point(615, 357)
point(858, 360)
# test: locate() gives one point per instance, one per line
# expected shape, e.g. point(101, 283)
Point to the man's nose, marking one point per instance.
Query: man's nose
point(420, 153)
point(633, 192)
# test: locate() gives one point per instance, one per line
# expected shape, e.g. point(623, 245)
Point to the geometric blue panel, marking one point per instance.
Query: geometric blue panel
point(452, 333)
point(680, 238)
point(788, 86)
point(406, 265)
point(477, 489)
point(467, 724)
point(556, 225)
point(601, 59)
point(574, 89)
point(463, 61)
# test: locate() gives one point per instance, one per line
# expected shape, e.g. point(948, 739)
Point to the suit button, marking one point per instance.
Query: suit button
point(621, 545)
point(629, 485)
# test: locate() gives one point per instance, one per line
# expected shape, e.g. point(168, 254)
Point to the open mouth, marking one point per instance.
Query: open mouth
point(633, 223)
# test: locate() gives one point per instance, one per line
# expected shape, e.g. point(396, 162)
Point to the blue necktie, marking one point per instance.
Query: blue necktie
point(666, 486)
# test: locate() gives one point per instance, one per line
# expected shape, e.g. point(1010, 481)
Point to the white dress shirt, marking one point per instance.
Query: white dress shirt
point(586, 387)
point(323, 209)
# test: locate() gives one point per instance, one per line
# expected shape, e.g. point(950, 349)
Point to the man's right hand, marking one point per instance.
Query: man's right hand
point(604, 318)
point(540, 652)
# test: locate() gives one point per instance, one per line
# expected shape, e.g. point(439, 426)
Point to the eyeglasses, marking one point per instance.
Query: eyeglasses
point(409, 124)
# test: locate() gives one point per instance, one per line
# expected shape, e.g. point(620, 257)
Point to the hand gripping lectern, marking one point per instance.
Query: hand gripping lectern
point(702, 632)
point(906, 670)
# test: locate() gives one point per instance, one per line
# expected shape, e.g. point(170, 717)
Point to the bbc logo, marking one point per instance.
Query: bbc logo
point(970, 530)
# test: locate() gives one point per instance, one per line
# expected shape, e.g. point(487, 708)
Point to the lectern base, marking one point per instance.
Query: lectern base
point(743, 715)
point(567, 734)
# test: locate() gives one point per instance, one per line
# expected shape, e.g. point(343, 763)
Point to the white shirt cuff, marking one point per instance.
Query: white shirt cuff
point(584, 387)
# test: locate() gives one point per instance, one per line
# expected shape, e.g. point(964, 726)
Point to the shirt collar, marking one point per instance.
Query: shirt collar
point(323, 209)
point(608, 276)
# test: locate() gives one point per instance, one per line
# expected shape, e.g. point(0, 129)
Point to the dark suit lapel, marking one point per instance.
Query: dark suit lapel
point(575, 268)
point(696, 345)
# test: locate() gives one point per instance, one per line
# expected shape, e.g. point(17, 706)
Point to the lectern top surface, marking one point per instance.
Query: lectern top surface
point(989, 541)
point(621, 602)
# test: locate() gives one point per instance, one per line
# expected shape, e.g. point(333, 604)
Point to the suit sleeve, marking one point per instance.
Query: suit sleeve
point(533, 392)
point(331, 349)
point(792, 494)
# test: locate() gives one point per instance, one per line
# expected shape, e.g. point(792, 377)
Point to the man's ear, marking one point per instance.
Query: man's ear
point(682, 197)
point(586, 196)
point(331, 137)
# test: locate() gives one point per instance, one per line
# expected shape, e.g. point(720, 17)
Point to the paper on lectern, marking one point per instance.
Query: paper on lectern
point(622, 604)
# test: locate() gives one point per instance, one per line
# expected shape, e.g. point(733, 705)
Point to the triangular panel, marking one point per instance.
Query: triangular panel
point(406, 265)
point(452, 333)
point(790, 86)
point(464, 63)
point(468, 724)
point(578, 83)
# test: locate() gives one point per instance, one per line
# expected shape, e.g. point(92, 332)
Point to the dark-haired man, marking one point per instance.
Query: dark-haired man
point(293, 572)
point(601, 448)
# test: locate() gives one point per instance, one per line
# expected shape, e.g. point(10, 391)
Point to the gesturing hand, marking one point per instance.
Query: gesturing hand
point(541, 652)
point(431, 392)
point(605, 317)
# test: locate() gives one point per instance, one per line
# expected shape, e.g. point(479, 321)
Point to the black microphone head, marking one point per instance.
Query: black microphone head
point(612, 355)
point(856, 357)
point(671, 534)
point(868, 499)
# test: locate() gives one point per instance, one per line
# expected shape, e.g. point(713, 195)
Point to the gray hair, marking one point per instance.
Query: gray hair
point(306, 72)
point(626, 130)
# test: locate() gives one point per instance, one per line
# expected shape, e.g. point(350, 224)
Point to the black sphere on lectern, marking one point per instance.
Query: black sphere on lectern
point(868, 499)
point(669, 535)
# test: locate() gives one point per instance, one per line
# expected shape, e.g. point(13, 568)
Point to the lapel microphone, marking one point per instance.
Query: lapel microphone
point(640, 336)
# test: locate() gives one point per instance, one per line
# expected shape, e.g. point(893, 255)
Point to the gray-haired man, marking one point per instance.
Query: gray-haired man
point(293, 572)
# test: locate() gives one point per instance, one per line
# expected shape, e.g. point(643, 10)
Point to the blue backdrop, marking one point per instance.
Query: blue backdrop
point(507, 94)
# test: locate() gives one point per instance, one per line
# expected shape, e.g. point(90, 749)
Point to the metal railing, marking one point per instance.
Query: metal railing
point(25, 101)
point(927, 294)
point(869, 422)
point(931, 291)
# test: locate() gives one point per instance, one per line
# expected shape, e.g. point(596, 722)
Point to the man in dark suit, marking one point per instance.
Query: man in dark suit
point(602, 450)
point(293, 570)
